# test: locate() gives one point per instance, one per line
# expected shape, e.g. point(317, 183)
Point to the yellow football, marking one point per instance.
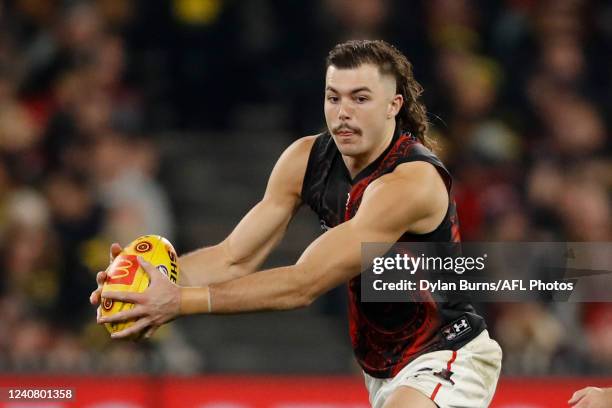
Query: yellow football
point(126, 275)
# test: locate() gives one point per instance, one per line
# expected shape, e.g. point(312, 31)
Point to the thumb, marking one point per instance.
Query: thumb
point(577, 396)
point(150, 332)
point(115, 250)
point(151, 270)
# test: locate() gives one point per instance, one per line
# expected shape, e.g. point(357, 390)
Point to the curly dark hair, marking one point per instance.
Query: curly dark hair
point(412, 116)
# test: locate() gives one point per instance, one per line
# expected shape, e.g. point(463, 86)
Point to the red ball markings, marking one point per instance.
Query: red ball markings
point(142, 247)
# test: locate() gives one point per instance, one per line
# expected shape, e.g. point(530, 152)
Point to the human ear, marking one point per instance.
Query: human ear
point(394, 106)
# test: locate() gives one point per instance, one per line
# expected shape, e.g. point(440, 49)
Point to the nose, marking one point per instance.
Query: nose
point(344, 111)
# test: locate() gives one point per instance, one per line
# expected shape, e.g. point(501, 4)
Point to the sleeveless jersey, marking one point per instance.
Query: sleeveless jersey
point(386, 336)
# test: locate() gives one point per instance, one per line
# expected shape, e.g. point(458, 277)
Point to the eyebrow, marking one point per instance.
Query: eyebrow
point(354, 91)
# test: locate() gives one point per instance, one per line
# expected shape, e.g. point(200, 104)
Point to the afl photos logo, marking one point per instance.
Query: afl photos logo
point(142, 247)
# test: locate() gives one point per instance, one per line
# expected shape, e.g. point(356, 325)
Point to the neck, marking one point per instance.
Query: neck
point(355, 164)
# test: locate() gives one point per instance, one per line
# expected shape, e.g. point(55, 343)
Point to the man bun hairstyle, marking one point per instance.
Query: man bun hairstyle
point(412, 116)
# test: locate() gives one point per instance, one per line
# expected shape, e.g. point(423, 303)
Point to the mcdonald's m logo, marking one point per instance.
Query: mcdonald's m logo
point(123, 270)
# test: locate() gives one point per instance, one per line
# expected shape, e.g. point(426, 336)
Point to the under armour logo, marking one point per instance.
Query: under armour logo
point(456, 329)
point(461, 325)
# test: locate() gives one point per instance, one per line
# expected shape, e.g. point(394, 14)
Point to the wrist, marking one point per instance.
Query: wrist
point(194, 300)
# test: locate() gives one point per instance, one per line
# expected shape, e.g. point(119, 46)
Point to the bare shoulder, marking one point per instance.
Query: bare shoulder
point(289, 171)
point(305, 142)
point(295, 157)
point(417, 172)
point(414, 193)
point(300, 149)
point(410, 178)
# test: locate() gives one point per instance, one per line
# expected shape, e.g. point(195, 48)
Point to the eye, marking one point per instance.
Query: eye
point(361, 99)
point(332, 98)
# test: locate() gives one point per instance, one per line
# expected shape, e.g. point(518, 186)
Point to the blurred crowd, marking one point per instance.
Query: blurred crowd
point(519, 94)
point(76, 171)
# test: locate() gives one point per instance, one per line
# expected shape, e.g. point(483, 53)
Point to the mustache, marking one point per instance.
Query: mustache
point(345, 127)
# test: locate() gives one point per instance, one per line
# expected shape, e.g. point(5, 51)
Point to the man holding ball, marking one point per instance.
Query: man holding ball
point(371, 177)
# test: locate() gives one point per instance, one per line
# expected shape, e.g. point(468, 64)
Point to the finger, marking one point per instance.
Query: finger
point(150, 332)
point(135, 328)
point(577, 396)
point(101, 278)
point(115, 250)
point(151, 270)
point(129, 297)
point(133, 313)
point(94, 298)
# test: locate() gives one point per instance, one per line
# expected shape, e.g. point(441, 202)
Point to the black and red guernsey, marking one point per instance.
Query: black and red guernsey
point(386, 336)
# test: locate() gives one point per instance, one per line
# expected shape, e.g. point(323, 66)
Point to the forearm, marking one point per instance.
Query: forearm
point(244, 250)
point(333, 258)
point(210, 265)
point(274, 289)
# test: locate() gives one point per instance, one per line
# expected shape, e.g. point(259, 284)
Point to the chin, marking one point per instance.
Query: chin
point(349, 149)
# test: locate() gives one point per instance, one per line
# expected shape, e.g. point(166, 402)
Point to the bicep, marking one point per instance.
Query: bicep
point(264, 226)
point(335, 257)
point(257, 233)
point(389, 208)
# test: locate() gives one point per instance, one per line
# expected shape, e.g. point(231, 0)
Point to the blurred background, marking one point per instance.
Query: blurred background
point(120, 118)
